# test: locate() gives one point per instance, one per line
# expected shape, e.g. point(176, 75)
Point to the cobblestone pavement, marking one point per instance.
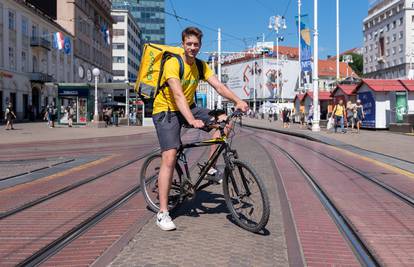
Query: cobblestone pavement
point(206, 236)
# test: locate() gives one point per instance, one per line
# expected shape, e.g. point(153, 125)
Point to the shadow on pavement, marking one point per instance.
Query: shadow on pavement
point(207, 203)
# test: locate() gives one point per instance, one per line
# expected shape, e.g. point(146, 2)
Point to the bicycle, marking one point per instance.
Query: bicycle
point(243, 189)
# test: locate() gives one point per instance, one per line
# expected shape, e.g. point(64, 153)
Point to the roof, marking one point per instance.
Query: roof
point(322, 95)
point(348, 89)
point(408, 84)
point(300, 96)
point(380, 85)
point(327, 68)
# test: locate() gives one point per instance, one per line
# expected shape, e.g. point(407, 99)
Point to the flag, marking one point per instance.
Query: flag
point(105, 33)
point(67, 45)
point(58, 40)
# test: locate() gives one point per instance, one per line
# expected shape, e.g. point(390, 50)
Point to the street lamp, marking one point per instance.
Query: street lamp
point(96, 73)
point(315, 121)
point(276, 23)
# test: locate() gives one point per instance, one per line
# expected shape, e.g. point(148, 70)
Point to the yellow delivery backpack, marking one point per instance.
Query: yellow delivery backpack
point(151, 68)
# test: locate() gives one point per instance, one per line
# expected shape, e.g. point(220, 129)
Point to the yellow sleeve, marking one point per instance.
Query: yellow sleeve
point(171, 69)
point(207, 71)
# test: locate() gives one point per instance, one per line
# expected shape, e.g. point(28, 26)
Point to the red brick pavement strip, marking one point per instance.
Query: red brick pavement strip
point(384, 222)
point(30, 230)
point(24, 193)
point(110, 236)
point(321, 241)
point(397, 180)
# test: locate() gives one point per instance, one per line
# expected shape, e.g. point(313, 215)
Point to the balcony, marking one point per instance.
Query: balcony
point(40, 77)
point(40, 42)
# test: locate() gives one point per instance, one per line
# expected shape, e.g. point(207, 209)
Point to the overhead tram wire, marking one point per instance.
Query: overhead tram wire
point(175, 14)
point(202, 25)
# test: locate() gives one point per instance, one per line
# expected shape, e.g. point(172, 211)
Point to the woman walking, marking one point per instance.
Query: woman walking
point(360, 114)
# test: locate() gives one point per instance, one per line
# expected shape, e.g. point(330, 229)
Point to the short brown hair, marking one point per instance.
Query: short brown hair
point(192, 31)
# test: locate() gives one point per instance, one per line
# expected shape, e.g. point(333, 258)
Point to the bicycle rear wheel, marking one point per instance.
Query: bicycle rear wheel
point(149, 184)
point(246, 196)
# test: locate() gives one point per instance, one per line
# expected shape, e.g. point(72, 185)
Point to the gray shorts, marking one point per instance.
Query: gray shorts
point(168, 126)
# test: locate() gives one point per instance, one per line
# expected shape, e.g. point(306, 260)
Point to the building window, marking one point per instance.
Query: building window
point(118, 46)
point(25, 27)
point(394, 37)
point(387, 53)
point(388, 40)
point(118, 18)
point(24, 61)
point(401, 34)
point(118, 59)
point(394, 24)
point(401, 20)
point(381, 46)
point(118, 32)
point(12, 59)
point(388, 27)
point(400, 49)
point(12, 20)
point(394, 50)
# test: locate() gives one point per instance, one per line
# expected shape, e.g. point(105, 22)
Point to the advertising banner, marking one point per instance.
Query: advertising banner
point(305, 49)
point(400, 105)
point(368, 102)
point(243, 77)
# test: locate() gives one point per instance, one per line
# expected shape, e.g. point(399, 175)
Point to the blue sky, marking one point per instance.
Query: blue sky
point(243, 21)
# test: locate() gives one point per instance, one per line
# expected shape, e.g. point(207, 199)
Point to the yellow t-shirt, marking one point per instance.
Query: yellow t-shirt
point(339, 110)
point(189, 82)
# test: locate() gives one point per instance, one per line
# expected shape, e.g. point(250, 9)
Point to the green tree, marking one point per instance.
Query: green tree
point(357, 65)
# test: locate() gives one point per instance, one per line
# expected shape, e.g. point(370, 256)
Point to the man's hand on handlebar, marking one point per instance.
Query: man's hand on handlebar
point(241, 105)
point(197, 123)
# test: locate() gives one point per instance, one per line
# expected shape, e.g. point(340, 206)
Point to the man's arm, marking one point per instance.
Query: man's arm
point(227, 93)
point(182, 104)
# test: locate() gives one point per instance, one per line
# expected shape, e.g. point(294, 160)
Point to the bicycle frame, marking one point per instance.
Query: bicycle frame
point(222, 145)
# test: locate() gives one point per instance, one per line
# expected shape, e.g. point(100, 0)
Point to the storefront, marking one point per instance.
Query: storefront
point(299, 106)
point(76, 99)
point(384, 101)
point(325, 103)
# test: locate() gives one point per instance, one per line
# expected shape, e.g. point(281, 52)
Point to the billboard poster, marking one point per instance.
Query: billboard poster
point(305, 49)
point(368, 102)
point(400, 105)
point(242, 78)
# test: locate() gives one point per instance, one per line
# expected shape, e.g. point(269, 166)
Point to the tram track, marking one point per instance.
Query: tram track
point(70, 187)
point(46, 252)
point(361, 250)
point(388, 188)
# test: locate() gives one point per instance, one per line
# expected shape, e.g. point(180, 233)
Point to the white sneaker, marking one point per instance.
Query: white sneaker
point(164, 221)
point(212, 171)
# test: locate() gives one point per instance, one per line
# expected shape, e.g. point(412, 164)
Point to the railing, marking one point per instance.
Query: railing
point(39, 41)
point(40, 77)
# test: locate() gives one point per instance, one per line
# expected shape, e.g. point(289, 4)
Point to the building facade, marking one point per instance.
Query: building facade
point(388, 39)
point(91, 23)
point(126, 46)
point(29, 64)
point(150, 15)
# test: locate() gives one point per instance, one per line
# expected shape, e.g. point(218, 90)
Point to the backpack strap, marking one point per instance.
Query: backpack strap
point(200, 68)
point(165, 57)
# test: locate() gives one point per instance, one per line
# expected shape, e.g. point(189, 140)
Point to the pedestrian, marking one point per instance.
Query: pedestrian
point(285, 117)
point(69, 112)
point(270, 115)
point(310, 115)
point(52, 113)
point(359, 114)
point(109, 113)
point(115, 115)
point(9, 116)
point(350, 115)
point(338, 114)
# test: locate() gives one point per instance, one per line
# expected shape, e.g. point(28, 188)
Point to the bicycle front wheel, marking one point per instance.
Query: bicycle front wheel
point(149, 184)
point(246, 196)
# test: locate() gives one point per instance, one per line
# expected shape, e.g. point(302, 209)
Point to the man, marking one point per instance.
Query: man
point(174, 106)
point(9, 117)
point(359, 114)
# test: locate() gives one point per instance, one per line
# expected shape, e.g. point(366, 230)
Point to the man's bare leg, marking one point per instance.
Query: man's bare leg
point(165, 177)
